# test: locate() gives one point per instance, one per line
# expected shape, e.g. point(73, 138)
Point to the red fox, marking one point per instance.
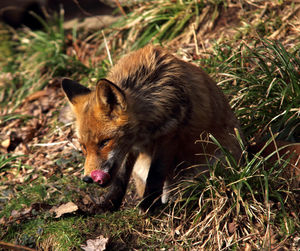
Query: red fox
point(146, 116)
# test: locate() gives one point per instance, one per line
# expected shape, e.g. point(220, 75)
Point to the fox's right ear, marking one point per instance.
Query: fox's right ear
point(72, 89)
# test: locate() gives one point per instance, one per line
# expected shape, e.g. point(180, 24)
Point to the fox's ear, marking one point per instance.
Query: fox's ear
point(110, 97)
point(73, 89)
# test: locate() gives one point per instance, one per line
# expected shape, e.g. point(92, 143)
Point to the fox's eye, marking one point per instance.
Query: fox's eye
point(103, 143)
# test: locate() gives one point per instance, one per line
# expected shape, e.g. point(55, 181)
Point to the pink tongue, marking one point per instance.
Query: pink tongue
point(100, 176)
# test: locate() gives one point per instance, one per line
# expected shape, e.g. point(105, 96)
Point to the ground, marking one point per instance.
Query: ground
point(251, 48)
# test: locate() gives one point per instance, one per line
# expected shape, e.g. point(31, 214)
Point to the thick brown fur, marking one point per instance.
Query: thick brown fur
point(149, 113)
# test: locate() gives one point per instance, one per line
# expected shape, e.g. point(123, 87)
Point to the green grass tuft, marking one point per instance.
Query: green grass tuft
point(38, 57)
point(158, 21)
point(263, 82)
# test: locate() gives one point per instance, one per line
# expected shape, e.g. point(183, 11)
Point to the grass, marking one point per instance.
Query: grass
point(39, 232)
point(6, 160)
point(235, 203)
point(264, 78)
point(160, 21)
point(36, 58)
point(241, 205)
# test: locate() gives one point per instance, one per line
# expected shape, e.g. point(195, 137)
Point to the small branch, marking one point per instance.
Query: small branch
point(107, 49)
point(11, 246)
point(195, 40)
point(120, 7)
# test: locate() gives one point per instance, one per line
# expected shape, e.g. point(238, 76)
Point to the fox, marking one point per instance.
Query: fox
point(145, 120)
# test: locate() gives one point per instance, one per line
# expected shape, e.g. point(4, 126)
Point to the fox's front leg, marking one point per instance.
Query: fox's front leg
point(114, 197)
point(159, 170)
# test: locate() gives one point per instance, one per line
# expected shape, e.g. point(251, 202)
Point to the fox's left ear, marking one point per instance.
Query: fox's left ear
point(110, 97)
point(73, 89)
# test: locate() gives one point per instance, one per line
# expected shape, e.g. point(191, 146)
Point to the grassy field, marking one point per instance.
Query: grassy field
point(251, 48)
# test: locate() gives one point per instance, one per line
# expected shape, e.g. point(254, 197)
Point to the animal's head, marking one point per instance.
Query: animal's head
point(101, 121)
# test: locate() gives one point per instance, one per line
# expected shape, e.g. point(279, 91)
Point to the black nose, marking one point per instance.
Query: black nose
point(87, 179)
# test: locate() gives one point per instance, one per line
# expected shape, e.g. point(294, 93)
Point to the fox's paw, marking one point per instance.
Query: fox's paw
point(150, 203)
point(107, 205)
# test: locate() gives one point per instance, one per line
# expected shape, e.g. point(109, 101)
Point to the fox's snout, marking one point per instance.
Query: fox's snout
point(87, 179)
point(97, 176)
point(100, 177)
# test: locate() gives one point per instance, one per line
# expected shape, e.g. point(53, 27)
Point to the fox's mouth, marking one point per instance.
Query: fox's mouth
point(100, 177)
point(104, 175)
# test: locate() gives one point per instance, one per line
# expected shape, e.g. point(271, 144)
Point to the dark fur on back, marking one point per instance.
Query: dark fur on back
point(149, 83)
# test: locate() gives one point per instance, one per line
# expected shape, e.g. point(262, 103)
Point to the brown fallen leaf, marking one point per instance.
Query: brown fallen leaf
point(67, 208)
point(247, 247)
point(98, 244)
point(3, 220)
point(16, 216)
point(25, 213)
point(5, 143)
point(232, 227)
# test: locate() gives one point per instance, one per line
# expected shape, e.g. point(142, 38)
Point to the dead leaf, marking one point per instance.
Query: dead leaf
point(5, 143)
point(247, 247)
point(15, 213)
point(66, 115)
point(98, 244)
point(3, 220)
point(232, 227)
point(67, 208)
point(24, 212)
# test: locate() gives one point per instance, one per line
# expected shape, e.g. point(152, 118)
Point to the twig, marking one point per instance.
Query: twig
point(107, 49)
point(86, 12)
point(51, 144)
point(195, 40)
point(70, 142)
point(11, 246)
point(121, 8)
point(81, 9)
